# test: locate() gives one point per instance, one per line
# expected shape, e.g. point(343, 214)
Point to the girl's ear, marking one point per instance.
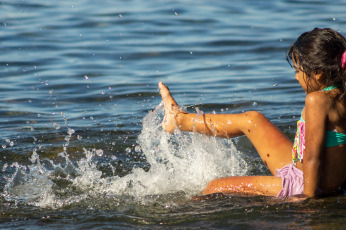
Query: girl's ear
point(320, 78)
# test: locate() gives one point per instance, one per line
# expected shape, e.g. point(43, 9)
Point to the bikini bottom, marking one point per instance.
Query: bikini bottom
point(292, 181)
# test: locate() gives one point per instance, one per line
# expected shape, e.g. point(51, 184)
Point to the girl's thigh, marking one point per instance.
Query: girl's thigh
point(272, 145)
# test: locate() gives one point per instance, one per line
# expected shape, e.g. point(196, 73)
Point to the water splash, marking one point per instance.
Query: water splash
point(179, 163)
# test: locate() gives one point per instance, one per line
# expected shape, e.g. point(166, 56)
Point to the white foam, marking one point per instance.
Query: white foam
point(178, 162)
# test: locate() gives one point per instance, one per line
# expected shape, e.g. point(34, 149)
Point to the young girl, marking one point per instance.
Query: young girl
point(319, 148)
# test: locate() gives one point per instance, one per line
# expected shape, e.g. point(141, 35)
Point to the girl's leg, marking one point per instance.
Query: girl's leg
point(253, 185)
point(272, 145)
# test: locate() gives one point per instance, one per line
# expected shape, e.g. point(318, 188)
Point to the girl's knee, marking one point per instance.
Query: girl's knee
point(254, 115)
point(253, 121)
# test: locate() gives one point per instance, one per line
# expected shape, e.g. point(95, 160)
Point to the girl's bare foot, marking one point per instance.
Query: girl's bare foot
point(171, 109)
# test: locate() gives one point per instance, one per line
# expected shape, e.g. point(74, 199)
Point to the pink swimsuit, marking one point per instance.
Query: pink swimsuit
point(292, 178)
point(292, 181)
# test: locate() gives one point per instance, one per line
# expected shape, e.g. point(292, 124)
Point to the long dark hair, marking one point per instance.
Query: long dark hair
point(320, 51)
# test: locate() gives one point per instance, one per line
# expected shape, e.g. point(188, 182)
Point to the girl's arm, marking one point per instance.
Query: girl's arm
point(316, 114)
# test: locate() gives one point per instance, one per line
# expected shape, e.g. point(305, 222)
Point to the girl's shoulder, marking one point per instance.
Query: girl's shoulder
point(317, 107)
point(325, 99)
point(327, 105)
point(319, 100)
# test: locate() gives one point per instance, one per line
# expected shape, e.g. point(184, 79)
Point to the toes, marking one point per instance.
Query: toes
point(166, 94)
point(163, 90)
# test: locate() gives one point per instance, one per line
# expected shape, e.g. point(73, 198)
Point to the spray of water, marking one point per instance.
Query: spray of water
point(179, 162)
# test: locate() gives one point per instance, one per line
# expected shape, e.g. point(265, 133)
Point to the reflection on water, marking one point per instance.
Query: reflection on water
point(79, 143)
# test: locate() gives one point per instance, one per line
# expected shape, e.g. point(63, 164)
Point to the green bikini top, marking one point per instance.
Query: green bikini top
point(334, 138)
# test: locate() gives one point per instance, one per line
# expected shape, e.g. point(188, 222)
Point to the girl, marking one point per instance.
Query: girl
point(319, 148)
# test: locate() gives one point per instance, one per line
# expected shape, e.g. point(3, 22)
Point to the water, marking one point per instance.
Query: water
point(81, 142)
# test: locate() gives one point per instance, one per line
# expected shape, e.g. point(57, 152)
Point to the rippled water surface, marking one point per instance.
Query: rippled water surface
point(81, 142)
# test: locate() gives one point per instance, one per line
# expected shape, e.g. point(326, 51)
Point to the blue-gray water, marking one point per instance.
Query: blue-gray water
point(81, 144)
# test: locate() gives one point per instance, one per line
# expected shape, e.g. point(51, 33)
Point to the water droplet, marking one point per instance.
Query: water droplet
point(199, 112)
point(120, 16)
point(86, 77)
point(176, 132)
point(128, 150)
point(254, 104)
point(11, 143)
point(275, 85)
point(99, 152)
point(70, 131)
point(138, 149)
point(56, 126)
point(4, 167)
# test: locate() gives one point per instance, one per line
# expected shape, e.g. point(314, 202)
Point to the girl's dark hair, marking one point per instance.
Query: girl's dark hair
point(320, 51)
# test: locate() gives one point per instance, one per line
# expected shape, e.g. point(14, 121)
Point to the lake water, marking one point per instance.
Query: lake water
point(81, 142)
